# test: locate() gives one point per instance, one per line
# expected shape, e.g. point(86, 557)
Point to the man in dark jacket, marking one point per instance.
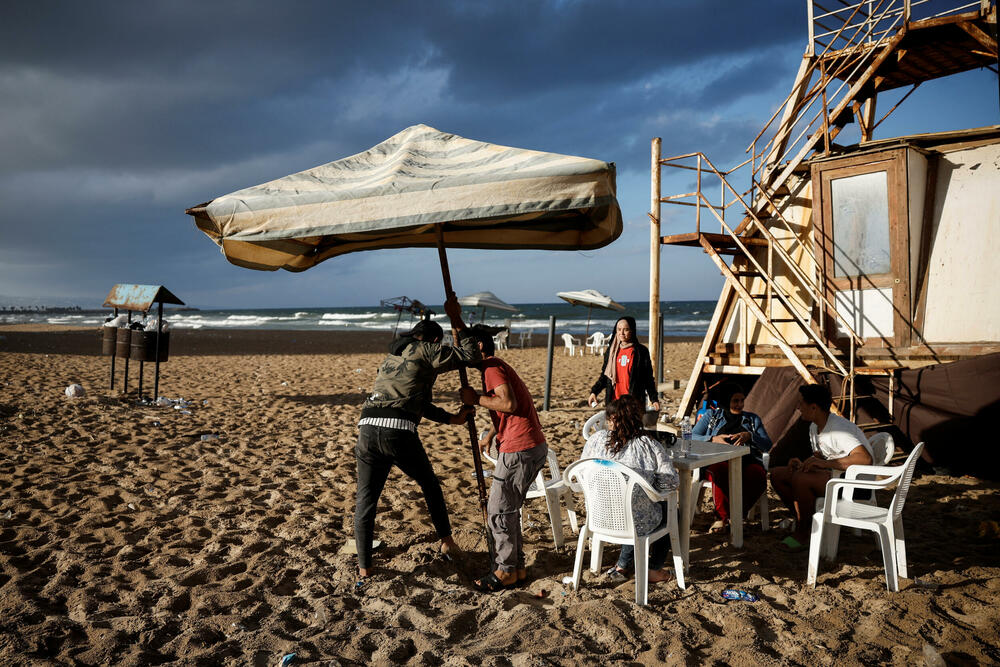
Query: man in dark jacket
point(627, 368)
point(387, 434)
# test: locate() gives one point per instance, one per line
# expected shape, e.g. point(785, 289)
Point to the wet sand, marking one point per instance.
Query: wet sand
point(125, 538)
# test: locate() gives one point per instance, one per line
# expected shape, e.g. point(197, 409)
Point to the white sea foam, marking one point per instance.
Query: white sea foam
point(349, 316)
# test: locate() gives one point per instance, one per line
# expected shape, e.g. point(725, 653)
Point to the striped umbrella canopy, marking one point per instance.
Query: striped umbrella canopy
point(484, 300)
point(590, 298)
point(399, 192)
point(421, 187)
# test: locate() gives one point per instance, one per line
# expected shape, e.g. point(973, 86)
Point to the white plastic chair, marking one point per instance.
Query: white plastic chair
point(572, 344)
point(842, 510)
point(524, 338)
point(883, 449)
point(593, 425)
point(552, 489)
point(595, 343)
point(500, 340)
point(607, 493)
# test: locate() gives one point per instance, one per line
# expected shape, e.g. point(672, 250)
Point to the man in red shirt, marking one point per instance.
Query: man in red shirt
point(523, 452)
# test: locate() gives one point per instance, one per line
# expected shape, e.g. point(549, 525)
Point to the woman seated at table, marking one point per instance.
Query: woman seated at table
point(623, 441)
point(731, 425)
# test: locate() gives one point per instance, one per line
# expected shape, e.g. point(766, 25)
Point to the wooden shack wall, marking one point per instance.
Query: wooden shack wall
point(963, 283)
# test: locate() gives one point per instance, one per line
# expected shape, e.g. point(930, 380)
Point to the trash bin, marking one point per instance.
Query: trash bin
point(108, 339)
point(143, 346)
point(123, 341)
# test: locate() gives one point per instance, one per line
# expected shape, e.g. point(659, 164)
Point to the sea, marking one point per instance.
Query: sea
point(680, 318)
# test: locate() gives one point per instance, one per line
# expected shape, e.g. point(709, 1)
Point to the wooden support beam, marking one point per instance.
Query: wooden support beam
point(654, 254)
point(980, 36)
point(726, 369)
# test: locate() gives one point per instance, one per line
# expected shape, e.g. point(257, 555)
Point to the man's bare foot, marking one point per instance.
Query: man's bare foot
point(522, 573)
point(656, 576)
point(364, 572)
point(449, 547)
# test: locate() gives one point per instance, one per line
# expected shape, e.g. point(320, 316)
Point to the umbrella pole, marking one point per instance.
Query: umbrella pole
point(587, 335)
point(470, 421)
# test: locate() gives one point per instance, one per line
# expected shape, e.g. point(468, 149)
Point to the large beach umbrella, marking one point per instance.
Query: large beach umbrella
point(419, 188)
point(590, 298)
point(484, 300)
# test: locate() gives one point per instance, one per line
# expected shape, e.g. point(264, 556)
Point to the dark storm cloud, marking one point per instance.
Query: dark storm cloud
point(118, 115)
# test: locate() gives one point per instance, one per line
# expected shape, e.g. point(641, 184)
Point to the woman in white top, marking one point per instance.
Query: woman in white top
point(623, 441)
point(837, 444)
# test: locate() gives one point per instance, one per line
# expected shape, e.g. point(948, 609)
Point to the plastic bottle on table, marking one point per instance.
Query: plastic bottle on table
point(686, 428)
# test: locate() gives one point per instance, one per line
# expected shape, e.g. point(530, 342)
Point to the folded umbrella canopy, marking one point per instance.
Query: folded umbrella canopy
point(393, 196)
point(486, 300)
point(419, 188)
point(590, 298)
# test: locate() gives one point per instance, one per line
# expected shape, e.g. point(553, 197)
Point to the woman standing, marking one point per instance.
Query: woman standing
point(624, 442)
point(731, 425)
point(627, 370)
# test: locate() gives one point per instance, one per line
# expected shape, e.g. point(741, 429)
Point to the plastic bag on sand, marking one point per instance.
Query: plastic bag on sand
point(75, 391)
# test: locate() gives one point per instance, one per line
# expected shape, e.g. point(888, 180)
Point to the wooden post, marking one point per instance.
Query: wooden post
point(654, 255)
point(125, 383)
point(548, 365)
point(159, 330)
point(114, 353)
point(470, 421)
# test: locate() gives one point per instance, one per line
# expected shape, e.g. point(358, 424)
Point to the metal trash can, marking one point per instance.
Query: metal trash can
point(108, 338)
point(143, 346)
point(123, 341)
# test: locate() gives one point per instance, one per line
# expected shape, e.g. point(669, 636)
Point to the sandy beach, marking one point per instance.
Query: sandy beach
point(128, 538)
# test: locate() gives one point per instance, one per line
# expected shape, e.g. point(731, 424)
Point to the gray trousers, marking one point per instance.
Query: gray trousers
point(513, 475)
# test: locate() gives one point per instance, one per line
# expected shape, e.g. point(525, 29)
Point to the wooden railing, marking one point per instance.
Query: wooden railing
point(811, 286)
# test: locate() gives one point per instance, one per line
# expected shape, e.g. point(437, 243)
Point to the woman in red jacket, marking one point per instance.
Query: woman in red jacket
point(627, 368)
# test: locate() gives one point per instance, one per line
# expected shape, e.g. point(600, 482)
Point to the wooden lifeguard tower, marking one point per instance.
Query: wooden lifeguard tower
point(858, 259)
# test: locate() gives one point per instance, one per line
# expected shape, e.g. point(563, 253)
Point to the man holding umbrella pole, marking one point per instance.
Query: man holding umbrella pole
point(387, 433)
point(522, 454)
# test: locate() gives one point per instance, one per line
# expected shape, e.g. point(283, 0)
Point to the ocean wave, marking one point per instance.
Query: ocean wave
point(349, 316)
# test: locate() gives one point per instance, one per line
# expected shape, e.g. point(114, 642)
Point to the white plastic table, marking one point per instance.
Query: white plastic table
point(705, 454)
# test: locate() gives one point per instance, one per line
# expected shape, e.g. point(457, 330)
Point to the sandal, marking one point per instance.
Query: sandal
point(719, 526)
point(491, 584)
point(616, 575)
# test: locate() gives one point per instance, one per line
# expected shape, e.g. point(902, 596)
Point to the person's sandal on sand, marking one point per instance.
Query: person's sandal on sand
point(719, 526)
point(495, 582)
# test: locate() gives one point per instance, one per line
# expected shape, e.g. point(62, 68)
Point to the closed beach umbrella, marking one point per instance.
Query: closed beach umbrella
point(590, 298)
point(419, 188)
point(484, 300)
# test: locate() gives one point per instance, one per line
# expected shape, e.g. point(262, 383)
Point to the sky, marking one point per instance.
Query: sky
point(117, 116)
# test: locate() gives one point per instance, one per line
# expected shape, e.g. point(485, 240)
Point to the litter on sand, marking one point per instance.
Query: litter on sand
point(734, 594)
point(350, 547)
